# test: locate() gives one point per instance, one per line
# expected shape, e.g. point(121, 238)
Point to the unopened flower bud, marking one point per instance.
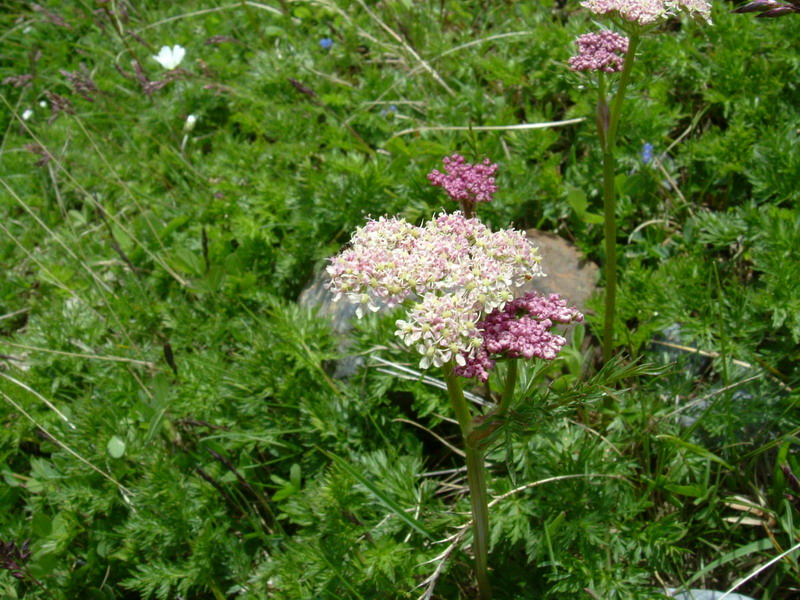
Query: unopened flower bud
point(189, 124)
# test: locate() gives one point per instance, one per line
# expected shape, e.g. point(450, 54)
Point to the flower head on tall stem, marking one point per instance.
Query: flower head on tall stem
point(649, 12)
point(604, 51)
point(465, 182)
point(452, 270)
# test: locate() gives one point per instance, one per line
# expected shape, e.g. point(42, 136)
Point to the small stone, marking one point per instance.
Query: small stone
point(569, 274)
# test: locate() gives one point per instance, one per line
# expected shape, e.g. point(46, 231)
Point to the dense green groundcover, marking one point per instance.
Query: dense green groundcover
point(199, 445)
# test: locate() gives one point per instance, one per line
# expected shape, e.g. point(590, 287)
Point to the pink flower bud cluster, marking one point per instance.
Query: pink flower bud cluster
point(648, 12)
point(520, 330)
point(453, 270)
point(465, 181)
point(604, 51)
point(770, 9)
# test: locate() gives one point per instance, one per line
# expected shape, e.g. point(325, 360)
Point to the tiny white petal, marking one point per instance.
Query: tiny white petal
point(178, 52)
point(27, 114)
point(43, 104)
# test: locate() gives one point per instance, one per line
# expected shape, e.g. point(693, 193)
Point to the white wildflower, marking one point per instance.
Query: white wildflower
point(189, 124)
point(170, 58)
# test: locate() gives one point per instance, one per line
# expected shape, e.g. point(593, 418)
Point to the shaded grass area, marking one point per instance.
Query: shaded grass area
point(150, 277)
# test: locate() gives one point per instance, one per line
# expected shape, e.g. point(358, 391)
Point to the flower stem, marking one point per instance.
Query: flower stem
point(608, 141)
point(457, 399)
point(478, 496)
point(619, 97)
point(33, 579)
point(508, 392)
point(476, 479)
point(609, 208)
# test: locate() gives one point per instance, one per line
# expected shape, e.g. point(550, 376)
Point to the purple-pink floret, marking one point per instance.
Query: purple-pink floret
point(465, 181)
point(604, 51)
point(520, 330)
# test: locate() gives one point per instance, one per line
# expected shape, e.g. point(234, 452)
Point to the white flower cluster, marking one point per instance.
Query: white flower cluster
point(454, 269)
point(648, 12)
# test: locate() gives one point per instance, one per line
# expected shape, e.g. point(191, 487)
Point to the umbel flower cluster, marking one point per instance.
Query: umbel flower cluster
point(520, 330)
point(604, 51)
point(649, 12)
point(464, 181)
point(452, 270)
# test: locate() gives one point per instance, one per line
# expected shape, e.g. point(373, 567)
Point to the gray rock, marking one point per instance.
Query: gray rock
point(569, 274)
point(316, 296)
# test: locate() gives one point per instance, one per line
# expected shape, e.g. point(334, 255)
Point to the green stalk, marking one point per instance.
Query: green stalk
point(457, 399)
point(608, 141)
point(508, 392)
point(619, 98)
point(476, 479)
point(609, 209)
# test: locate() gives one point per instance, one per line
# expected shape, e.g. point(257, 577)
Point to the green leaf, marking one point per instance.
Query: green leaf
point(397, 146)
point(693, 491)
point(41, 524)
point(116, 447)
point(187, 262)
point(43, 564)
point(174, 225)
point(593, 218)
point(10, 480)
point(694, 448)
point(295, 475)
point(380, 495)
point(284, 492)
point(751, 548)
point(578, 201)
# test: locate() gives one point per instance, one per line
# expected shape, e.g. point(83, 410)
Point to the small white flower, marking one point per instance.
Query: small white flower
point(43, 104)
point(27, 114)
point(27, 30)
point(189, 125)
point(170, 58)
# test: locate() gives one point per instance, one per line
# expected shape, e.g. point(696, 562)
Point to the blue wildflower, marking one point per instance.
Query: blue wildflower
point(647, 153)
point(391, 110)
point(326, 43)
